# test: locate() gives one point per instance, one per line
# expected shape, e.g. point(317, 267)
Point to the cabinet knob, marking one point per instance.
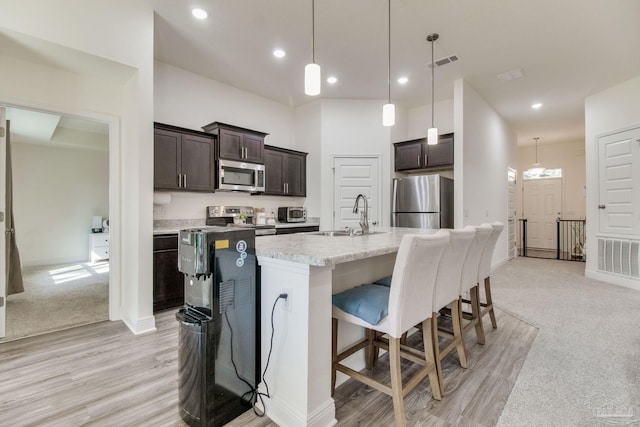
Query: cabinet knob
point(602, 207)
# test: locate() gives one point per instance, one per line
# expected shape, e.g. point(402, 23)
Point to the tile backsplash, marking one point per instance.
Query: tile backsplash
point(184, 205)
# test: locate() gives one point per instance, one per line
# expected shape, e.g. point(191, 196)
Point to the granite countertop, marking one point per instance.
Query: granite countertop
point(314, 249)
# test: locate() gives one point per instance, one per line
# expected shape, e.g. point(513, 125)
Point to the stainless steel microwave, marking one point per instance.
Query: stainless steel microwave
point(292, 214)
point(240, 176)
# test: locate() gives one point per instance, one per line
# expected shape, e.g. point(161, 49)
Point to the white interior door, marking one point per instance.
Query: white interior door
point(3, 169)
point(353, 176)
point(511, 212)
point(542, 206)
point(619, 174)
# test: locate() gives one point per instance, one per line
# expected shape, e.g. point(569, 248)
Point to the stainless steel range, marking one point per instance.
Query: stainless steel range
point(232, 215)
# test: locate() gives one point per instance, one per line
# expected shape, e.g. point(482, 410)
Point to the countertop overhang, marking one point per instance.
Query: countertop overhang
point(317, 250)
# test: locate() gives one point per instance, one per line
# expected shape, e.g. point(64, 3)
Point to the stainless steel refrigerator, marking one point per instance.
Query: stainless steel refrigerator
point(422, 201)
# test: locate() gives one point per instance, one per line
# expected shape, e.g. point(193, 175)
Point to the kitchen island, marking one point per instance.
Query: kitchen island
point(309, 268)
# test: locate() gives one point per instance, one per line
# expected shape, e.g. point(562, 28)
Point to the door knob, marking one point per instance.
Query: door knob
point(601, 207)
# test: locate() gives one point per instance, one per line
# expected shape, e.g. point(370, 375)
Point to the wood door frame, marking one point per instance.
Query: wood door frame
point(379, 192)
point(3, 240)
point(114, 188)
point(512, 251)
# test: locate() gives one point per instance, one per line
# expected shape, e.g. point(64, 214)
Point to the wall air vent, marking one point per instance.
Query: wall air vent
point(619, 256)
point(444, 61)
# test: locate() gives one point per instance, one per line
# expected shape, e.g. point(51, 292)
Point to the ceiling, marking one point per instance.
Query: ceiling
point(567, 50)
point(54, 130)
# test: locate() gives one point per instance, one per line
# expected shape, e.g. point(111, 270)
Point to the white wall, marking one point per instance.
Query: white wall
point(353, 127)
point(613, 109)
point(419, 119)
point(308, 119)
point(188, 100)
point(57, 191)
point(484, 150)
point(113, 81)
point(570, 157)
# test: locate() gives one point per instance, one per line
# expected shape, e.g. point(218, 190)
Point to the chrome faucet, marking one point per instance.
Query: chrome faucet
point(364, 214)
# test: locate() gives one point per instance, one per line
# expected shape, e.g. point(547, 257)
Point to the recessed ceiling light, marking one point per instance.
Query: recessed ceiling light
point(199, 13)
point(536, 105)
point(403, 80)
point(279, 53)
point(332, 80)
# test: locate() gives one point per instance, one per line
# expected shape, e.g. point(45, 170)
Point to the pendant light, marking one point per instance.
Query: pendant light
point(312, 71)
point(432, 133)
point(536, 164)
point(389, 110)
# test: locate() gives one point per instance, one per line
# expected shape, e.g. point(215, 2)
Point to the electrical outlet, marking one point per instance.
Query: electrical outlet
point(287, 301)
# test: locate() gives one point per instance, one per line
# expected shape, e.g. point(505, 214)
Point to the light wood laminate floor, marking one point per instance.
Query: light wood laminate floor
point(102, 375)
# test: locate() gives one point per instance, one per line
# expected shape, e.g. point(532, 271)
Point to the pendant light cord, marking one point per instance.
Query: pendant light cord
point(433, 66)
point(389, 52)
point(313, 31)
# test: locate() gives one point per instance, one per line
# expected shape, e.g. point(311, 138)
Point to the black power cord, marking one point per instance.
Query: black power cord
point(253, 394)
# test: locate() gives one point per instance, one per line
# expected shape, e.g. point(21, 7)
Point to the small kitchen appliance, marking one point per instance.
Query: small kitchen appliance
point(292, 214)
point(218, 339)
point(235, 215)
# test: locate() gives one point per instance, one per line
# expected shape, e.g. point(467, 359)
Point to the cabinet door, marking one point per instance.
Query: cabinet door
point(408, 156)
point(168, 282)
point(273, 167)
point(295, 175)
point(197, 163)
point(442, 153)
point(253, 148)
point(166, 159)
point(231, 145)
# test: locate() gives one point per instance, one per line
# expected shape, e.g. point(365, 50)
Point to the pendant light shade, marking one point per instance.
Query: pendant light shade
point(389, 110)
point(312, 75)
point(388, 115)
point(432, 133)
point(432, 136)
point(312, 79)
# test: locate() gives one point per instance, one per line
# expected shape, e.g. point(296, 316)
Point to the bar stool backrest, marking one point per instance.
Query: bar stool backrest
point(447, 287)
point(472, 261)
point(414, 277)
point(484, 269)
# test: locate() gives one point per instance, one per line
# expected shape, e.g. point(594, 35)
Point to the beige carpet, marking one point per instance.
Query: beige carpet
point(58, 297)
point(584, 366)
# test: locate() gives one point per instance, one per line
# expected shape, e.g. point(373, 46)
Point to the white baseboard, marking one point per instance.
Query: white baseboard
point(613, 279)
point(283, 415)
point(140, 326)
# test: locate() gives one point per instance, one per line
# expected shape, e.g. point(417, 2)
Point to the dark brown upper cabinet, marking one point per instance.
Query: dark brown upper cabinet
point(285, 172)
point(236, 143)
point(183, 159)
point(417, 154)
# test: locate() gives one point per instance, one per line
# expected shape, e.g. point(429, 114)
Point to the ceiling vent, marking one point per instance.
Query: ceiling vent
point(444, 61)
point(511, 75)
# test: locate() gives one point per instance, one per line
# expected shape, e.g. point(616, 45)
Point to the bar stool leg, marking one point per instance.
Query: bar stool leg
point(475, 314)
point(396, 381)
point(456, 317)
point(487, 292)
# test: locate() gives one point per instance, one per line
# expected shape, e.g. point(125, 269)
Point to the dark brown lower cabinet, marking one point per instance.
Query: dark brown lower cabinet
point(168, 283)
point(292, 230)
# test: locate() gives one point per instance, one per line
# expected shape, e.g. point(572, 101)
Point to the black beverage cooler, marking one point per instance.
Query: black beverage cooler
point(218, 357)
